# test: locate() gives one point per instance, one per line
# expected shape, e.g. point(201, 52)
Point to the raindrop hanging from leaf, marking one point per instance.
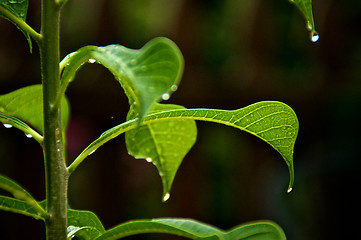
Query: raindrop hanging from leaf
point(305, 6)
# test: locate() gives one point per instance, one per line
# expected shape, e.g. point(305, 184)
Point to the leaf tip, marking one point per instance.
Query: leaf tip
point(292, 178)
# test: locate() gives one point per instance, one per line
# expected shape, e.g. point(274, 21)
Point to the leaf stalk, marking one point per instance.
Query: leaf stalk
point(21, 24)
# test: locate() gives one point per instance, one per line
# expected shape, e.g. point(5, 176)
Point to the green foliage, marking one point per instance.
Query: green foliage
point(160, 133)
point(144, 74)
point(195, 230)
point(26, 105)
point(22, 202)
point(305, 6)
point(273, 122)
point(84, 224)
point(164, 143)
point(15, 11)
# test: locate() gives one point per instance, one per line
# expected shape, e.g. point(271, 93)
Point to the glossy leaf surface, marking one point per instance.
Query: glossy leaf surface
point(24, 108)
point(195, 230)
point(19, 9)
point(273, 122)
point(164, 143)
point(21, 207)
point(145, 74)
point(84, 225)
point(15, 189)
point(305, 6)
point(23, 202)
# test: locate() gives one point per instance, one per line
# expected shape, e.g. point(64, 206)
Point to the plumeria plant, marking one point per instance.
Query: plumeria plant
point(160, 133)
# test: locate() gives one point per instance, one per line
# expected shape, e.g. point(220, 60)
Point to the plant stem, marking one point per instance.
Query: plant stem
point(56, 174)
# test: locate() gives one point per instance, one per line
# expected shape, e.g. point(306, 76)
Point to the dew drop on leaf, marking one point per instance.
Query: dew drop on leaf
point(174, 87)
point(148, 160)
point(91, 60)
point(8, 125)
point(91, 152)
point(165, 96)
point(289, 190)
point(28, 135)
point(315, 37)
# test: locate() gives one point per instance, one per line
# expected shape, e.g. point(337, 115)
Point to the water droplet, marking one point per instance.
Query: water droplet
point(165, 96)
point(92, 152)
point(28, 135)
point(289, 190)
point(148, 160)
point(174, 87)
point(7, 125)
point(166, 197)
point(91, 60)
point(314, 37)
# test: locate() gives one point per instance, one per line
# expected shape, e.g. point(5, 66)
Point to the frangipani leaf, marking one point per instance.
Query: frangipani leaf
point(195, 230)
point(26, 205)
point(85, 225)
point(273, 122)
point(305, 6)
point(15, 189)
point(19, 9)
point(145, 74)
point(22, 207)
point(24, 108)
point(164, 143)
point(73, 231)
point(10, 121)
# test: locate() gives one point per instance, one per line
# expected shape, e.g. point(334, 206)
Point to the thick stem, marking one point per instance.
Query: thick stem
point(56, 174)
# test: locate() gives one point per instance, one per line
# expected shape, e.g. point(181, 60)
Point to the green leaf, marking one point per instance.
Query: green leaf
point(84, 224)
point(145, 74)
point(18, 8)
point(28, 205)
point(305, 6)
point(24, 107)
point(15, 189)
point(10, 121)
point(195, 230)
point(22, 207)
point(164, 143)
point(73, 231)
point(273, 122)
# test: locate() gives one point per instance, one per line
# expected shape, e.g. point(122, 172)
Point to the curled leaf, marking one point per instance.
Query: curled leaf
point(145, 74)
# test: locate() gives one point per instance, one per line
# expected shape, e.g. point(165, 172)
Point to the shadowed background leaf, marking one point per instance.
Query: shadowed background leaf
point(19, 9)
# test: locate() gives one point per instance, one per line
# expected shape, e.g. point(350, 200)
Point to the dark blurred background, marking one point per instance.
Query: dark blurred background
point(236, 53)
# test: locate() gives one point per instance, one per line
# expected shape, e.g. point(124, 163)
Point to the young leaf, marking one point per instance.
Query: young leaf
point(20, 193)
point(22, 207)
point(84, 225)
point(164, 143)
point(10, 121)
point(15, 189)
point(273, 122)
point(305, 6)
point(26, 105)
point(145, 74)
point(15, 11)
point(195, 230)
point(73, 231)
